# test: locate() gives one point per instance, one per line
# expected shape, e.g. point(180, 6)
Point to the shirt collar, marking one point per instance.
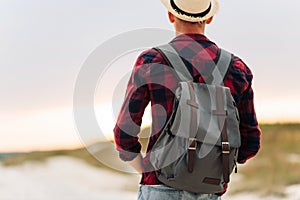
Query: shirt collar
point(190, 36)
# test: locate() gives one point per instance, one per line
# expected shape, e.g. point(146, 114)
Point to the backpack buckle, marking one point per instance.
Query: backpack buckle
point(225, 148)
point(192, 144)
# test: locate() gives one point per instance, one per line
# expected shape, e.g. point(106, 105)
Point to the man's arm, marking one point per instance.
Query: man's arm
point(250, 132)
point(130, 117)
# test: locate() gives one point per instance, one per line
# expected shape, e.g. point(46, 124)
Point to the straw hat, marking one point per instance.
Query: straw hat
point(192, 10)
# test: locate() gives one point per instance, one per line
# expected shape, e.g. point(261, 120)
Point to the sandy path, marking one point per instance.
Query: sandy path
point(62, 178)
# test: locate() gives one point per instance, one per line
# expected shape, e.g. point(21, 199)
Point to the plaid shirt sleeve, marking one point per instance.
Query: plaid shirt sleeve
point(131, 113)
point(250, 132)
point(151, 81)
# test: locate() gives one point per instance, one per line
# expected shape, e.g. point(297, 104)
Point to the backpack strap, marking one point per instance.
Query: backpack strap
point(220, 72)
point(173, 59)
point(217, 77)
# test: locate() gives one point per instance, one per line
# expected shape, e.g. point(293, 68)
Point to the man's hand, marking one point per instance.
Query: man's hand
point(137, 164)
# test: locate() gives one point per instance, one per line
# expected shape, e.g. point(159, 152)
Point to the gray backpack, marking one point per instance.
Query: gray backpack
point(198, 147)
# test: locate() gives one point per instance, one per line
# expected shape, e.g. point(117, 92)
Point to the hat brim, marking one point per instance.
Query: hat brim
point(212, 12)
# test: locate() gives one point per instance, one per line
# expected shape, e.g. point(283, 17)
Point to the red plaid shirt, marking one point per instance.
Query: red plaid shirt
point(153, 81)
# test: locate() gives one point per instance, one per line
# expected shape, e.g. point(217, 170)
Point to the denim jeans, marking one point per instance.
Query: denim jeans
point(162, 192)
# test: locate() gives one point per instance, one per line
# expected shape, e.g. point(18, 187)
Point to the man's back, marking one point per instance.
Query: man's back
point(153, 81)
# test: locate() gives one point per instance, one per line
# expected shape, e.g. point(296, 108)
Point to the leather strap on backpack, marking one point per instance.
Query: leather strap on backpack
point(193, 128)
point(222, 113)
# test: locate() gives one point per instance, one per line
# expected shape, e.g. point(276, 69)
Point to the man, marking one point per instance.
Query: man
point(151, 81)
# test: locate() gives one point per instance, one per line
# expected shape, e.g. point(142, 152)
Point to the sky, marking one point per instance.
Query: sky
point(45, 43)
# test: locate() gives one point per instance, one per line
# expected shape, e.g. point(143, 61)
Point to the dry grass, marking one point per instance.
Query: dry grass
point(278, 163)
point(42, 156)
